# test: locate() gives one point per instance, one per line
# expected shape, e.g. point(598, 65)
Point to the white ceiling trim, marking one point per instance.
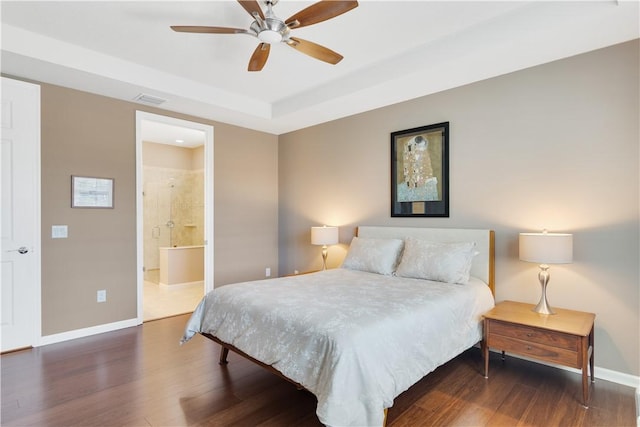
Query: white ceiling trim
point(510, 42)
point(452, 62)
point(74, 57)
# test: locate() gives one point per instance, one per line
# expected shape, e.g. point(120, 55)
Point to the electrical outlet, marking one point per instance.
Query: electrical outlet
point(102, 295)
point(267, 272)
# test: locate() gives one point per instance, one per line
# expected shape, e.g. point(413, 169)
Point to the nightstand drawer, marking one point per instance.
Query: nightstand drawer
point(534, 335)
point(535, 350)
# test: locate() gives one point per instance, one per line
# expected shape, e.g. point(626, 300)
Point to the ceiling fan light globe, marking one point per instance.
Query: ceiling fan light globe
point(270, 36)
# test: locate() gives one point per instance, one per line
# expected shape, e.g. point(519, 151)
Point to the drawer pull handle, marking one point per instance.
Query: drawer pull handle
point(529, 334)
point(528, 347)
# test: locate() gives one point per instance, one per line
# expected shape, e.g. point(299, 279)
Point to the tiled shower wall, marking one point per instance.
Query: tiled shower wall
point(174, 195)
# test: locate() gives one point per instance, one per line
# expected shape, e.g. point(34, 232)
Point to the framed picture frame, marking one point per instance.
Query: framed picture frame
point(420, 171)
point(91, 192)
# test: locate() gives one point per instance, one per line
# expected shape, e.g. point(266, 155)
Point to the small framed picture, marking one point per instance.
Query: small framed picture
point(91, 192)
point(420, 171)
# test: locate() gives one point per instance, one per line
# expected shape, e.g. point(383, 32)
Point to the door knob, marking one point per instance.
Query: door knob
point(20, 250)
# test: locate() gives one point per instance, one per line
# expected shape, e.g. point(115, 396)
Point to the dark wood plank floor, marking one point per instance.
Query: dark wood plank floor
point(141, 377)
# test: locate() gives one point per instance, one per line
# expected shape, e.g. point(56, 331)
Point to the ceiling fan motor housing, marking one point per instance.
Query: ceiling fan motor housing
point(273, 30)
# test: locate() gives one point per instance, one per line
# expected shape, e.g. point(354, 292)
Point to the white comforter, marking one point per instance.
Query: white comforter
point(354, 339)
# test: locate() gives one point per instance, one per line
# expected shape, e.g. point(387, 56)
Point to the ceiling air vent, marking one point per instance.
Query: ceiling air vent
point(149, 99)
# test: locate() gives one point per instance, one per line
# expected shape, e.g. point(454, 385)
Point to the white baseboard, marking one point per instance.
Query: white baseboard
point(616, 377)
point(638, 406)
point(85, 332)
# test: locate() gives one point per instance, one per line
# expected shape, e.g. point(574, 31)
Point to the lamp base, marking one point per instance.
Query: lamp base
point(324, 257)
point(543, 306)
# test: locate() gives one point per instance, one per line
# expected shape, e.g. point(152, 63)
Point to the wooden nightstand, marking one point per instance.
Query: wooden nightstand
point(564, 338)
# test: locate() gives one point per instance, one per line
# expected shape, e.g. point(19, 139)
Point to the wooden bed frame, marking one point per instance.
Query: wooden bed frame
point(483, 267)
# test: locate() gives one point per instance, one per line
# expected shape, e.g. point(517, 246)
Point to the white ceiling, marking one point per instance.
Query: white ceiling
point(393, 51)
point(163, 133)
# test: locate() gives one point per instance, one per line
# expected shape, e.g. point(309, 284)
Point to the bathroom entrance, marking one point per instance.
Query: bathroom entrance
point(174, 214)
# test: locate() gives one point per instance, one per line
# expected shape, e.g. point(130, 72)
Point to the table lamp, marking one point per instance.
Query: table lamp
point(545, 248)
point(324, 236)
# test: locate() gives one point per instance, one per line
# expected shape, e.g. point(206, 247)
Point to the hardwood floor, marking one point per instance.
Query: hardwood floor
point(141, 377)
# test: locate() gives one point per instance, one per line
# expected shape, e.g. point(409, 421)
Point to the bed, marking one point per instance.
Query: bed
point(405, 301)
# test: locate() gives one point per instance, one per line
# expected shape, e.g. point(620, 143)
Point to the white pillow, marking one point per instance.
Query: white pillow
point(442, 262)
point(373, 255)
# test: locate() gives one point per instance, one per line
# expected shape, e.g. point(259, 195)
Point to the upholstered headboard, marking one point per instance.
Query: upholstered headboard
point(483, 266)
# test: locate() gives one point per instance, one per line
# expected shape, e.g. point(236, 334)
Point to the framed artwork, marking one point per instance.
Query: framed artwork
point(420, 171)
point(90, 192)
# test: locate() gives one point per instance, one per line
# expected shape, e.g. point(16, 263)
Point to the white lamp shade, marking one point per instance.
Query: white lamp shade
point(546, 248)
point(324, 235)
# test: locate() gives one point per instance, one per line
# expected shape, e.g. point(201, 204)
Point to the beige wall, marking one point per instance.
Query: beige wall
point(93, 135)
point(171, 156)
point(554, 146)
point(246, 204)
point(197, 158)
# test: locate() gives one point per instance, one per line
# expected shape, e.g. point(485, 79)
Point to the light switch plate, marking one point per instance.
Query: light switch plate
point(59, 232)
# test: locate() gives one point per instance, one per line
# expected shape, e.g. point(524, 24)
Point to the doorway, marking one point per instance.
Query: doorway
point(174, 214)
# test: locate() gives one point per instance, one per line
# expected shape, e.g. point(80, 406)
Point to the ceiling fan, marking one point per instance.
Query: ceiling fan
point(270, 29)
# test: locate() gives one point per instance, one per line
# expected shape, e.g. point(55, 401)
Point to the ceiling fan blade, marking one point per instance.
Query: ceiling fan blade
point(321, 11)
point(259, 57)
point(212, 30)
point(315, 50)
point(252, 6)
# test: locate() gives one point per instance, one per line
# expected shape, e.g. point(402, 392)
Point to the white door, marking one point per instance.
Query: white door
point(20, 217)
